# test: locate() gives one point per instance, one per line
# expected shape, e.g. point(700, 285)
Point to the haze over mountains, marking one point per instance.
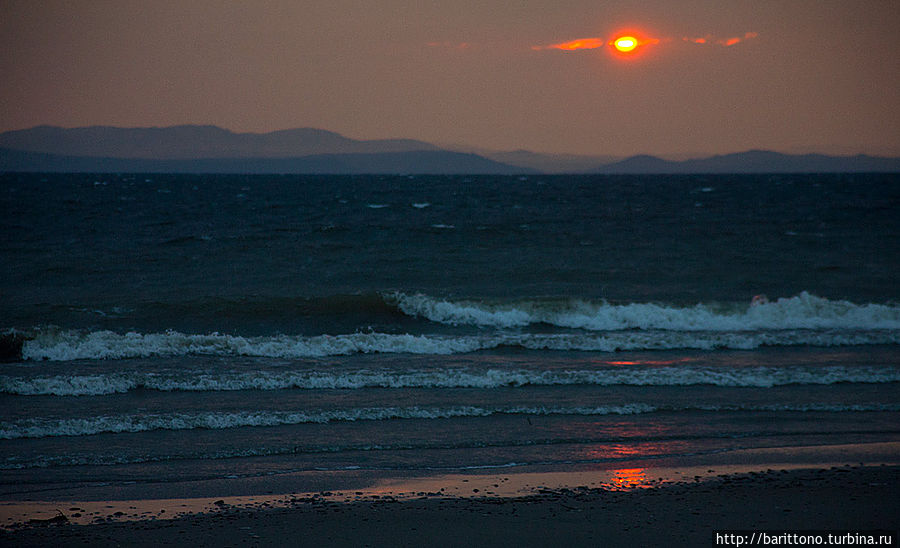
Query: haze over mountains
point(192, 142)
point(210, 149)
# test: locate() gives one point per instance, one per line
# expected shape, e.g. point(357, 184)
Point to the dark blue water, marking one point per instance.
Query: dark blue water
point(230, 326)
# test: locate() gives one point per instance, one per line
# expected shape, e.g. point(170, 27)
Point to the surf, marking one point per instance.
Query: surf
point(804, 311)
point(190, 380)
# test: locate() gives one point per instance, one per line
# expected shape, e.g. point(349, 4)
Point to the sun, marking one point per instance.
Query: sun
point(625, 44)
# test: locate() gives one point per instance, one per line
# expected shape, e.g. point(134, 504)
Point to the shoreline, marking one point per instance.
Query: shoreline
point(685, 513)
point(837, 487)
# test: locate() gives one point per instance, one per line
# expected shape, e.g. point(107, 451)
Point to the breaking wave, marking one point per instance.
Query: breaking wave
point(804, 311)
point(193, 381)
point(78, 345)
point(41, 428)
point(38, 428)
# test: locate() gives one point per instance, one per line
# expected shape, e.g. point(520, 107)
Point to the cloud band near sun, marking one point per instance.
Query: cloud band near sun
point(709, 39)
point(581, 43)
point(597, 42)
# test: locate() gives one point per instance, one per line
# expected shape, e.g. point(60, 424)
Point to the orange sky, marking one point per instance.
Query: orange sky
point(725, 76)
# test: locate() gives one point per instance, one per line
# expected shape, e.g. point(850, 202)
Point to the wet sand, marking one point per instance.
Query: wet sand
point(658, 512)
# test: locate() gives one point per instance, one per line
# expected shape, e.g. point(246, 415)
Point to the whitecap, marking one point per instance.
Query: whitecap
point(804, 311)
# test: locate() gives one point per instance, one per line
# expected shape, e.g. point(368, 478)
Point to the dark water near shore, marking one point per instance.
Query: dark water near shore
point(207, 327)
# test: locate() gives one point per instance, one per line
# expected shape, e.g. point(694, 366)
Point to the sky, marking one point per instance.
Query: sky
point(706, 76)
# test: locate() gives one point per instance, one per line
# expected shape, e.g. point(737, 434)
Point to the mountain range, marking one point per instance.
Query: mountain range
point(210, 149)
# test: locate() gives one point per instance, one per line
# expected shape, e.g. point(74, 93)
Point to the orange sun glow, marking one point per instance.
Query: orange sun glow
point(625, 44)
point(629, 44)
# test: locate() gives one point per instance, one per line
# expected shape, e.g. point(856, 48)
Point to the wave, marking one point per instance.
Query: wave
point(365, 305)
point(52, 344)
point(17, 462)
point(804, 311)
point(42, 428)
point(38, 428)
point(192, 381)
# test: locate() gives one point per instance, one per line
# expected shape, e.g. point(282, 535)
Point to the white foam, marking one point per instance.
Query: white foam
point(759, 377)
point(42, 428)
point(68, 385)
point(804, 311)
point(39, 428)
point(78, 345)
point(75, 345)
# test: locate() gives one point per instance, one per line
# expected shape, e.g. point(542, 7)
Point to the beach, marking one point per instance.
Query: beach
point(856, 499)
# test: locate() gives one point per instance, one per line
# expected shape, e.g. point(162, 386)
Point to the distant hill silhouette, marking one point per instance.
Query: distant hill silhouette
point(412, 162)
point(755, 161)
point(210, 149)
point(192, 142)
point(549, 163)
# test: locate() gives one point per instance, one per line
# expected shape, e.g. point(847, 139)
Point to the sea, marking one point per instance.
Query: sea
point(180, 329)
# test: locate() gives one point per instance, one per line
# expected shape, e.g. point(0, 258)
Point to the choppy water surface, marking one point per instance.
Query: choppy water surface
point(228, 326)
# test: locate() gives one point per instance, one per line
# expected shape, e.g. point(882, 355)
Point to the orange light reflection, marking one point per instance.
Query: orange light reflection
point(628, 478)
point(646, 362)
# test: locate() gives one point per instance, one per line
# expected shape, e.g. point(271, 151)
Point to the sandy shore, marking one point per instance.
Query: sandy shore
point(658, 513)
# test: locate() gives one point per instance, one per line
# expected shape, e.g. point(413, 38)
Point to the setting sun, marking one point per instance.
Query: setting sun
point(625, 44)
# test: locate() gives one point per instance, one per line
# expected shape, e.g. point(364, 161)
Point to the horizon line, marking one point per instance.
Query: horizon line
point(674, 156)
